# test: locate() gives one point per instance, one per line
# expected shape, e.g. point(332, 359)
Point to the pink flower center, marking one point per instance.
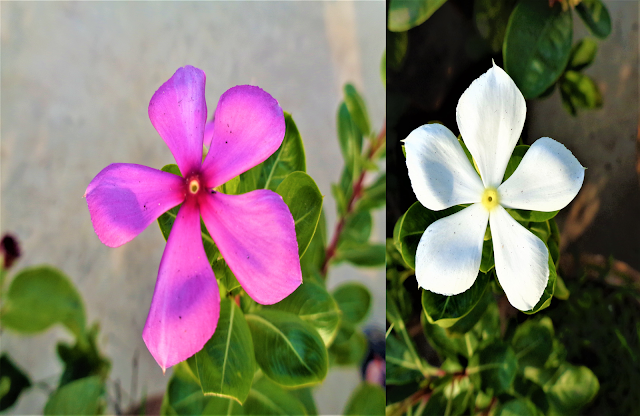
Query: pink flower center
point(193, 185)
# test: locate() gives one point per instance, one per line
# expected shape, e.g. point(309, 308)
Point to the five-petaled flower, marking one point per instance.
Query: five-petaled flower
point(254, 232)
point(490, 116)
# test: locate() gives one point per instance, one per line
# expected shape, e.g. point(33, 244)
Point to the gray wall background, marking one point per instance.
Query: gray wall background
point(76, 80)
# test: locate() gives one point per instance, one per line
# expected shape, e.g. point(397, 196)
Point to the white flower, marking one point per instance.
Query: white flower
point(490, 115)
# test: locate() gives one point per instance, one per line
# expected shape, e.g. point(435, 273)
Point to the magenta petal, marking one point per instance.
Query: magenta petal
point(248, 126)
point(208, 133)
point(178, 111)
point(256, 235)
point(125, 198)
point(186, 303)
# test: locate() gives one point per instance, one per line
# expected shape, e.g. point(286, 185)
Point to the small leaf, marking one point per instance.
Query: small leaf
point(354, 301)
point(184, 395)
point(268, 398)
point(366, 399)
point(357, 109)
point(579, 91)
point(518, 407)
point(537, 45)
point(574, 388)
point(491, 17)
point(493, 367)
point(397, 44)
point(357, 228)
point(383, 68)
point(374, 195)
point(82, 359)
point(447, 310)
point(313, 304)
point(533, 342)
point(81, 397)
point(349, 347)
point(582, 54)
point(365, 255)
point(349, 137)
point(39, 297)
point(401, 367)
point(406, 14)
point(288, 158)
point(291, 351)
point(226, 362)
point(595, 15)
point(304, 199)
point(12, 381)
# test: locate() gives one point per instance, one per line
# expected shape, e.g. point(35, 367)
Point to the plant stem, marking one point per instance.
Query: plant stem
point(355, 195)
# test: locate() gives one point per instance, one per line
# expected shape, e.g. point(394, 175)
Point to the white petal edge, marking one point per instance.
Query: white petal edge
point(450, 250)
point(521, 260)
point(490, 116)
point(547, 179)
point(441, 175)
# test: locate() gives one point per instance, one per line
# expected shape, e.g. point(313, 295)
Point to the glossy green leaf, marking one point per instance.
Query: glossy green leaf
point(226, 362)
point(518, 407)
point(533, 342)
point(365, 255)
point(487, 262)
point(582, 54)
point(537, 45)
point(349, 347)
point(491, 17)
point(402, 368)
point(595, 15)
point(184, 395)
point(470, 320)
point(350, 139)
point(267, 398)
point(288, 158)
point(357, 109)
point(375, 195)
point(357, 228)
point(410, 227)
point(579, 91)
point(406, 14)
point(291, 351)
point(354, 301)
point(81, 397)
point(39, 297)
point(573, 389)
point(313, 304)
point(224, 275)
point(12, 382)
point(493, 367)
point(311, 262)
point(366, 399)
point(447, 310)
point(305, 396)
point(304, 199)
point(547, 295)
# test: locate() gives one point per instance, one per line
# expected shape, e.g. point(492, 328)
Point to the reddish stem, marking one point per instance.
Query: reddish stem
point(355, 195)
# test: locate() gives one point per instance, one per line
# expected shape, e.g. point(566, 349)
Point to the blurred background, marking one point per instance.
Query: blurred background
point(436, 62)
point(76, 81)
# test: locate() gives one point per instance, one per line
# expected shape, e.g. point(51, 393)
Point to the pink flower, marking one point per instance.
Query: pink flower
point(254, 232)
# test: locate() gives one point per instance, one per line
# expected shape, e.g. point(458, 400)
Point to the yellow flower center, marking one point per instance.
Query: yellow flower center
point(490, 198)
point(194, 186)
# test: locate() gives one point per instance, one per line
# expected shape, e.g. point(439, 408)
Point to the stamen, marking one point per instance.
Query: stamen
point(490, 198)
point(194, 186)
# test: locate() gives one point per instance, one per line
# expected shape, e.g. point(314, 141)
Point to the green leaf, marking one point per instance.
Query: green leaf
point(82, 359)
point(451, 397)
point(383, 68)
point(349, 347)
point(366, 399)
point(537, 45)
point(312, 261)
point(12, 381)
point(350, 139)
point(365, 255)
point(574, 388)
point(447, 310)
point(533, 342)
point(226, 362)
point(411, 226)
point(291, 351)
point(406, 14)
point(547, 295)
point(397, 45)
point(267, 398)
point(313, 304)
point(304, 199)
point(39, 297)
point(375, 195)
point(357, 228)
point(493, 367)
point(491, 17)
point(357, 109)
point(518, 407)
point(487, 262)
point(305, 396)
point(582, 54)
point(401, 366)
point(354, 301)
point(184, 395)
point(595, 15)
point(81, 397)
point(288, 158)
point(579, 91)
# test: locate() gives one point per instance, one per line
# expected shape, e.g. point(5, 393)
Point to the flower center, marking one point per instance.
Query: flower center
point(194, 186)
point(490, 198)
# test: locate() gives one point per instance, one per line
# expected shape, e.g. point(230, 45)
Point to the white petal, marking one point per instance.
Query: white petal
point(441, 175)
point(521, 260)
point(547, 179)
point(450, 250)
point(490, 116)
